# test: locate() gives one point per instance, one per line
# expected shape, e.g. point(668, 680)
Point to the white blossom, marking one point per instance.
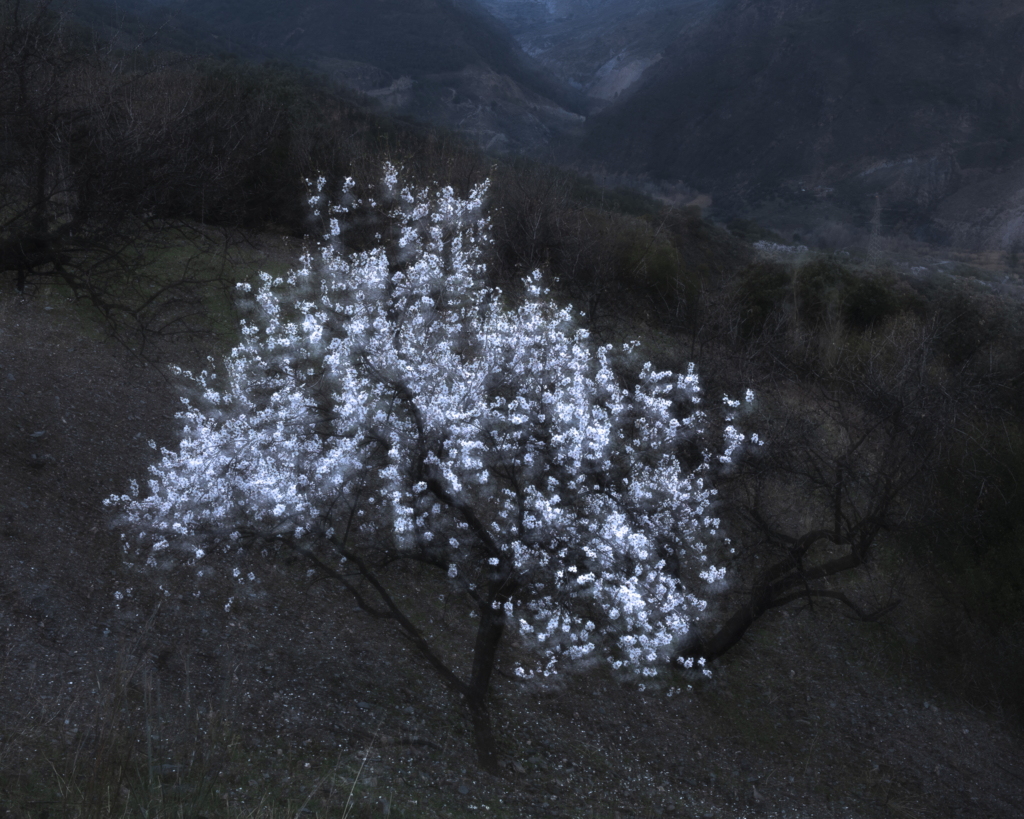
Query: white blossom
point(389, 400)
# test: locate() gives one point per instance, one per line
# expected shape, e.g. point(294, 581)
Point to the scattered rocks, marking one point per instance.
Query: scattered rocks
point(589, 744)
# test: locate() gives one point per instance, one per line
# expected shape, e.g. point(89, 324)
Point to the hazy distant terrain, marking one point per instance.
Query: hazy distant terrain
point(444, 61)
point(817, 117)
point(806, 109)
point(599, 46)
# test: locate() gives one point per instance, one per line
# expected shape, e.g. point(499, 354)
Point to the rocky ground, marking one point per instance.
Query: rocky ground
point(283, 702)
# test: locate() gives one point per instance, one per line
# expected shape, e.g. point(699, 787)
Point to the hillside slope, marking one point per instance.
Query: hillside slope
point(293, 698)
point(819, 102)
point(447, 62)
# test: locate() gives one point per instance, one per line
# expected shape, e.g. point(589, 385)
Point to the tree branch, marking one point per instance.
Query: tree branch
point(407, 625)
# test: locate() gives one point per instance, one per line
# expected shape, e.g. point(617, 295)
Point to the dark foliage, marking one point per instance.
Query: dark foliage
point(774, 294)
point(979, 542)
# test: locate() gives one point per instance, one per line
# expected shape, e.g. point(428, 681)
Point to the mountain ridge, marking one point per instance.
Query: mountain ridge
point(601, 47)
point(812, 100)
point(448, 62)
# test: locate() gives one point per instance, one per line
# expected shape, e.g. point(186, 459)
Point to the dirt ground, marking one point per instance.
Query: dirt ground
point(295, 695)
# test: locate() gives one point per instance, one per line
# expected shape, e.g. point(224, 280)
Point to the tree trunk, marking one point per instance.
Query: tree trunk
point(732, 630)
point(785, 582)
point(483, 736)
point(485, 652)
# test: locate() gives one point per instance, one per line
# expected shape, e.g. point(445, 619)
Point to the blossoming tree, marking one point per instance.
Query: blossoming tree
point(388, 407)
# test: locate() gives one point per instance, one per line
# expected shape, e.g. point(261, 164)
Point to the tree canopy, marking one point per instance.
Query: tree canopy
point(387, 408)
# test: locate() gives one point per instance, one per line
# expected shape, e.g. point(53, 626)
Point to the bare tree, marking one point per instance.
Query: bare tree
point(848, 463)
point(105, 161)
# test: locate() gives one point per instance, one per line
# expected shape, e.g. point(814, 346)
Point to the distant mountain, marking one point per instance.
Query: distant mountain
point(445, 61)
point(789, 106)
point(601, 47)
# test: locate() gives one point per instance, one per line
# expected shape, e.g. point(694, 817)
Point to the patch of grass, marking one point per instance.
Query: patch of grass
point(129, 761)
point(180, 285)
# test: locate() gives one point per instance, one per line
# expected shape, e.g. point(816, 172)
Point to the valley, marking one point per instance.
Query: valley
point(601, 48)
point(799, 114)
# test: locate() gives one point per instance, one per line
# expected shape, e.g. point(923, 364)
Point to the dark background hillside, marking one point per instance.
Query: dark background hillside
point(448, 62)
point(401, 37)
point(599, 46)
point(792, 102)
point(796, 113)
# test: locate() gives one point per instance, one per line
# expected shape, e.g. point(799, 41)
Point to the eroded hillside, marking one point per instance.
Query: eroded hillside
point(815, 105)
